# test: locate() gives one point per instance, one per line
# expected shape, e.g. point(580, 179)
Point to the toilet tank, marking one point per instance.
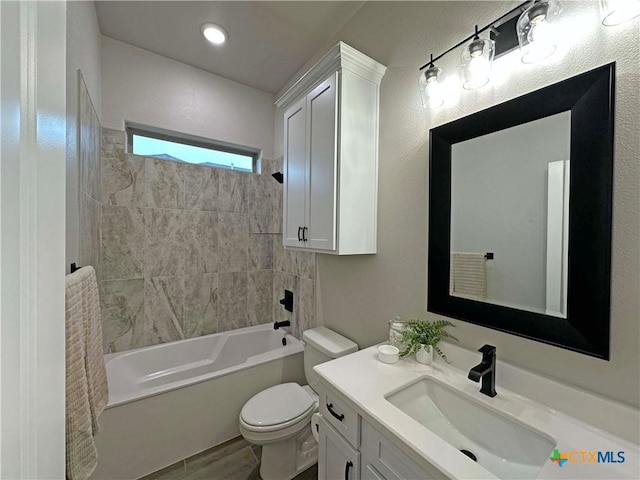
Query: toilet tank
point(322, 345)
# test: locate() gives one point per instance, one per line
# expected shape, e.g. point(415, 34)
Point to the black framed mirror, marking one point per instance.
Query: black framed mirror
point(568, 275)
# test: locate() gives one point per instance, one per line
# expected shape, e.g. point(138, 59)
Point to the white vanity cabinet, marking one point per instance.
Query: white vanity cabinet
point(331, 155)
point(381, 459)
point(336, 458)
point(351, 448)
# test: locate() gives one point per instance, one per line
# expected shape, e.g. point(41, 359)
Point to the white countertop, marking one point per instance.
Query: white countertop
point(365, 381)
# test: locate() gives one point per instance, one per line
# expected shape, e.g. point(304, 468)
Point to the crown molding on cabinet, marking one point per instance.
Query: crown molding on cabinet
point(340, 57)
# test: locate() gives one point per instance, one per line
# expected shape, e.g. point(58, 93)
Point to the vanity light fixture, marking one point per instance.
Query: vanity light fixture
point(530, 26)
point(615, 12)
point(476, 60)
point(214, 33)
point(536, 30)
point(431, 86)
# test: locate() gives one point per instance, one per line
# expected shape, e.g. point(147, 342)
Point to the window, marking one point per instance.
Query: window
point(153, 142)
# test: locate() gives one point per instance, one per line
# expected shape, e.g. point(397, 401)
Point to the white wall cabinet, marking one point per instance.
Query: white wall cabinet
point(331, 155)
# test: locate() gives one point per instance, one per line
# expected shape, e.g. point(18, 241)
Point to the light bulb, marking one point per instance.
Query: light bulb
point(434, 93)
point(479, 68)
point(431, 88)
point(476, 60)
point(214, 33)
point(540, 39)
point(536, 30)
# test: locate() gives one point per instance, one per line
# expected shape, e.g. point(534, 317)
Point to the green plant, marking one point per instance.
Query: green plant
point(421, 332)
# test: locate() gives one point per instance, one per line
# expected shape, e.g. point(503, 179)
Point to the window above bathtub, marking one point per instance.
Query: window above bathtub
point(182, 147)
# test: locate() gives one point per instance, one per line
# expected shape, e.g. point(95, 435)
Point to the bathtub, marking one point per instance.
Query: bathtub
point(170, 401)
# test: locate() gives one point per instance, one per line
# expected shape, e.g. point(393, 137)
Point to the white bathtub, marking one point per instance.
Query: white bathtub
point(170, 401)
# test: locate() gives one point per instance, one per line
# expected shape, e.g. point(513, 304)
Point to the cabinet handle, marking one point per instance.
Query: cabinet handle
point(346, 469)
point(332, 412)
point(304, 232)
point(299, 237)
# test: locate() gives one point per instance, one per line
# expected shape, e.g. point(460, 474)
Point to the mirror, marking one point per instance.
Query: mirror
point(509, 203)
point(520, 215)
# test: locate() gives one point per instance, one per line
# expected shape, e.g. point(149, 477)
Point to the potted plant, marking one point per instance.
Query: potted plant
point(421, 337)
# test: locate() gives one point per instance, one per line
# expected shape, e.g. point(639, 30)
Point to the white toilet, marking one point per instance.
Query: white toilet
point(279, 418)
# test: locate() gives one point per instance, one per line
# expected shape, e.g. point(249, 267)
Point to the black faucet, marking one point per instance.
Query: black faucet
point(277, 325)
point(486, 370)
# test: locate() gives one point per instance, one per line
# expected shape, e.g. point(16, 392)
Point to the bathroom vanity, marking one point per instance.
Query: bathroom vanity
point(411, 421)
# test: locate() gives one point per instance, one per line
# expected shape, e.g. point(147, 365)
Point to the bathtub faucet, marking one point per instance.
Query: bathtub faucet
point(277, 325)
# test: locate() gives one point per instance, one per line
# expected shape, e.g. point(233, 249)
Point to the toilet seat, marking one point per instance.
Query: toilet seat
point(277, 408)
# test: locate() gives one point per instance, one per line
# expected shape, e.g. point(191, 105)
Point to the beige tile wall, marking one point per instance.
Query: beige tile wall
point(189, 250)
point(89, 191)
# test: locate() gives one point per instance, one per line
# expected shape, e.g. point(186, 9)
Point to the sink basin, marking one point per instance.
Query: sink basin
point(503, 445)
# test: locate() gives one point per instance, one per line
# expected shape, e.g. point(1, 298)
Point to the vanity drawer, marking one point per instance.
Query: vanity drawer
point(387, 460)
point(342, 417)
point(369, 472)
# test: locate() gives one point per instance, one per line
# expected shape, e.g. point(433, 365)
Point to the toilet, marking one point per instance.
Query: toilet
point(279, 418)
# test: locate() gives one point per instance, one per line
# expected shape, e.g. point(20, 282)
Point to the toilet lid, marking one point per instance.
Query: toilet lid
point(277, 405)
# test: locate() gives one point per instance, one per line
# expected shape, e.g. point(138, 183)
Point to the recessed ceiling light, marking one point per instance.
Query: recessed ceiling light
point(214, 33)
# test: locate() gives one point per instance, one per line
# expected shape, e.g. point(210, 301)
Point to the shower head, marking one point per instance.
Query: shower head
point(278, 176)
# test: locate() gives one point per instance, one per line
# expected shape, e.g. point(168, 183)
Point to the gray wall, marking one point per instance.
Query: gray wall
point(83, 53)
point(357, 296)
point(149, 89)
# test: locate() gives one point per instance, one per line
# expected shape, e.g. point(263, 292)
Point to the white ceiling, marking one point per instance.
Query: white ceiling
point(268, 41)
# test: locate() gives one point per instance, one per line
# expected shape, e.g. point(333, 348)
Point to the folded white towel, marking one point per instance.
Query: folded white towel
point(86, 379)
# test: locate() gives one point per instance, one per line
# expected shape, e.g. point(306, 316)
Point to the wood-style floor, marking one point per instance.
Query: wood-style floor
point(233, 460)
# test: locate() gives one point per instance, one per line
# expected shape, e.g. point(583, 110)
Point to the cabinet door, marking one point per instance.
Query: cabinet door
point(337, 460)
point(383, 458)
point(295, 173)
point(322, 115)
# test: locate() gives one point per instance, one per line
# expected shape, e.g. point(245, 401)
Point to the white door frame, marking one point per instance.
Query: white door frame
point(32, 239)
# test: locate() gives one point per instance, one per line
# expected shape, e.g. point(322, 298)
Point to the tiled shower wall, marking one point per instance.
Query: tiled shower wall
point(189, 250)
point(89, 190)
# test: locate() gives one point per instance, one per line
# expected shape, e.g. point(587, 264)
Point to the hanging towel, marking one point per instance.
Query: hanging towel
point(86, 377)
point(467, 277)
